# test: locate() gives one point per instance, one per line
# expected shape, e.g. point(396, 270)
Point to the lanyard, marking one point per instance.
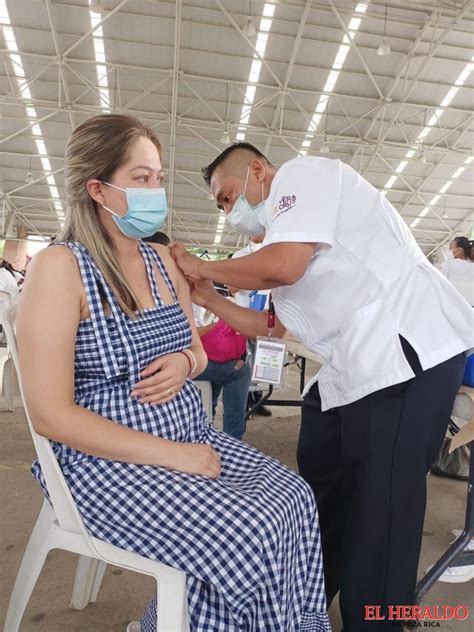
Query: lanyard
point(270, 316)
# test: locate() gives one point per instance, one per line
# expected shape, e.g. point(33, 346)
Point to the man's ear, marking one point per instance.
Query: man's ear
point(258, 169)
point(94, 189)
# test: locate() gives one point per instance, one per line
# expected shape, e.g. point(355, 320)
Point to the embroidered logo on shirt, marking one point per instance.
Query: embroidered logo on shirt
point(285, 204)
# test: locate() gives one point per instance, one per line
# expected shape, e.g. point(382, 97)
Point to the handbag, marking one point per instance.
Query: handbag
point(223, 344)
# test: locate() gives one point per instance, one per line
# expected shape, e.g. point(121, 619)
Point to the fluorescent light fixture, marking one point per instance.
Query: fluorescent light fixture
point(458, 172)
point(390, 182)
point(446, 186)
point(25, 94)
point(256, 67)
point(438, 113)
point(334, 73)
point(401, 166)
point(99, 51)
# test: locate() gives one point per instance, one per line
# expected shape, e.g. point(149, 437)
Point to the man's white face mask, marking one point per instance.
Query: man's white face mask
point(247, 219)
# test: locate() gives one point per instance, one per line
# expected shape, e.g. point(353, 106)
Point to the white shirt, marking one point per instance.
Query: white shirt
point(461, 274)
point(367, 283)
point(242, 297)
point(7, 284)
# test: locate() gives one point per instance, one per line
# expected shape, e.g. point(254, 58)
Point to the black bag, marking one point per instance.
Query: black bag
point(454, 465)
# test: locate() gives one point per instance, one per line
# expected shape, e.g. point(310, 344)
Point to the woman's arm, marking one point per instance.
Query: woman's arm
point(184, 298)
point(163, 378)
point(48, 317)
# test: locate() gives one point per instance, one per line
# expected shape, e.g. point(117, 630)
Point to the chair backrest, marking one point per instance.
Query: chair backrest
point(60, 496)
point(206, 396)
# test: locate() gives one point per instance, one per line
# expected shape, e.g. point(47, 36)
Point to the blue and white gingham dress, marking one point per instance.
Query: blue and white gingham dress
point(249, 541)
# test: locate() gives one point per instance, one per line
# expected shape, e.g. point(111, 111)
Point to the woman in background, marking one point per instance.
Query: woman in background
point(459, 269)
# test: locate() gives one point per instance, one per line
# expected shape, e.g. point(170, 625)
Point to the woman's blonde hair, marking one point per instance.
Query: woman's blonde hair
point(96, 149)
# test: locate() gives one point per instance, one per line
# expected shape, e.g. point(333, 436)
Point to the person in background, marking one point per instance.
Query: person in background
point(227, 372)
point(106, 331)
point(9, 284)
point(9, 278)
point(158, 238)
point(459, 268)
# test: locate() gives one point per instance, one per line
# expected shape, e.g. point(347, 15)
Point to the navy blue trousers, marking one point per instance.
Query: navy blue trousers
point(367, 464)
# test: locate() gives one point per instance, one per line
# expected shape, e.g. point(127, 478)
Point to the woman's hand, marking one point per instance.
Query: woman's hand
point(163, 379)
point(194, 458)
point(202, 292)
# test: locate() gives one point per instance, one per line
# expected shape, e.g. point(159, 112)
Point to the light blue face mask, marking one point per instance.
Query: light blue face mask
point(247, 219)
point(146, 213)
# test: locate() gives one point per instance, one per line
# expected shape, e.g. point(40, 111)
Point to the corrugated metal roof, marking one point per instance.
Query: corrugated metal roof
point(377, 108)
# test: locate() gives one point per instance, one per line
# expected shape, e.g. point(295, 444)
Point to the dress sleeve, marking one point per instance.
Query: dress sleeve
point(304, 205)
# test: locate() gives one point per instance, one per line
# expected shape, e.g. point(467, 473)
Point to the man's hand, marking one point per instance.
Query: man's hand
point(189, 264)
point(202, 292)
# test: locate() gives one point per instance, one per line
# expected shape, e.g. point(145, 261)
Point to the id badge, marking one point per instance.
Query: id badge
point(269, 360)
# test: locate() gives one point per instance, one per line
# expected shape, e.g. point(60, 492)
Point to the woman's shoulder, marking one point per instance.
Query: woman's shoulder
point(167, 260)
point(57, 260)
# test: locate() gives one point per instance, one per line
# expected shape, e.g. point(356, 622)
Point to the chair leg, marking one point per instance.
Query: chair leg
point(87, 582)
point(9, 383)
point(99, 575)
point(172, 602)
point(30, 568)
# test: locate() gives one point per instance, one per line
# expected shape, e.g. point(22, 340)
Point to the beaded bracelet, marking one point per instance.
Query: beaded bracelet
point(193, 364)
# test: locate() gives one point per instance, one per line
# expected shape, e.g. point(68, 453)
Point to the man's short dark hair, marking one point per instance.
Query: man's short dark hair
point(158, 238)
point(209, 170)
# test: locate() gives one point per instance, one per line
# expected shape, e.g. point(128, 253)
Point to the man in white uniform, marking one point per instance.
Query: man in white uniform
point(351, 283)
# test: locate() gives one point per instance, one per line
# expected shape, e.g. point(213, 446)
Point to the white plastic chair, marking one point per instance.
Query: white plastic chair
point(206, 396)
point(8, 368)
point(59, 526)
point(89, 571)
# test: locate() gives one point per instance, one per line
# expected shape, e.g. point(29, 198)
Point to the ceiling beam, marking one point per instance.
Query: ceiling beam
point(174, 106)
point(289, 71)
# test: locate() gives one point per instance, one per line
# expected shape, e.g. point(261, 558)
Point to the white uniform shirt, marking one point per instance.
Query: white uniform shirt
point(7, 284)
point(242, 297)
point(367, 283)
point(461, 274)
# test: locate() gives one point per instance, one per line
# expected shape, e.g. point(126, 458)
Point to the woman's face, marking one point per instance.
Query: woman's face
point(458, 253)
point(142, 170)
